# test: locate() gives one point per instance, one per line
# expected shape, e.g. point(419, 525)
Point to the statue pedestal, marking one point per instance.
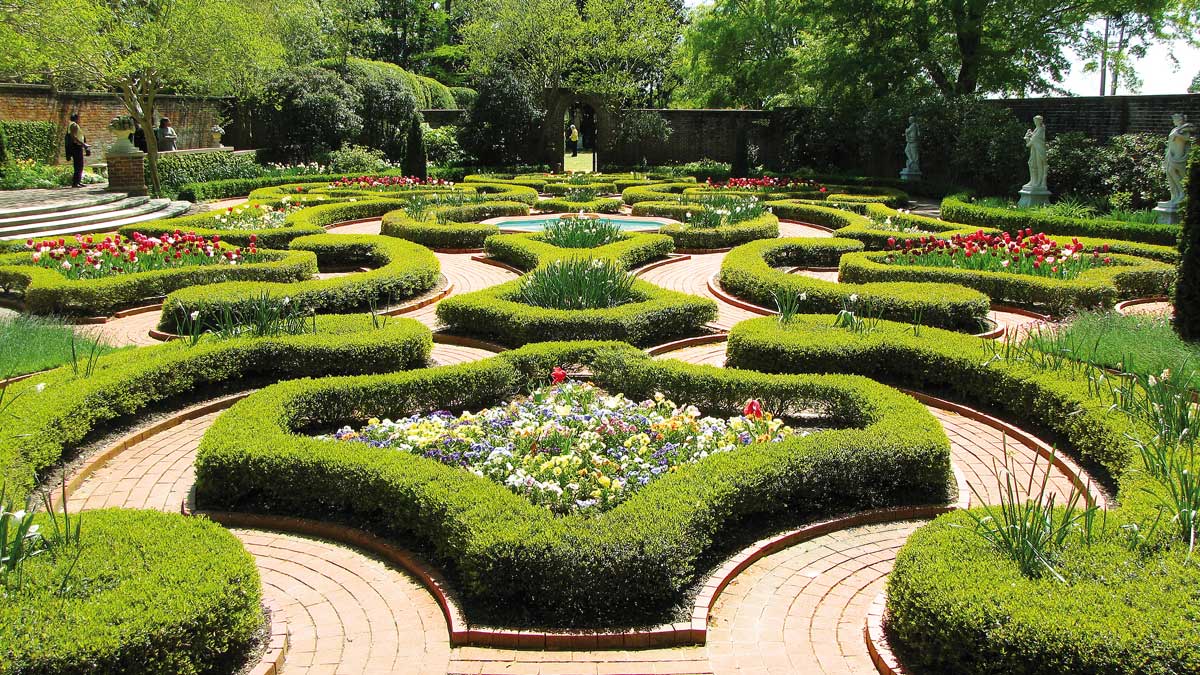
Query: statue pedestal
point(1168, 213)
point(906, 174)
point(1033, 197)
point(127, 173)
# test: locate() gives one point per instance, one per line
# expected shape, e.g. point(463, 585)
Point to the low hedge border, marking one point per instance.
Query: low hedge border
point(239, 187)
point(1100, 287)
point(46, 291)
point(65, 411)
point(958, 208)
point(954, 603)
point(687, 237)
point(600, 205)
point(526, 251)
point(399, 270)
point(516, 561)
point(153, 593)
point(748, 272)
point(603, 187)
point(497, 314)
point(658, 192)
point(451, 227)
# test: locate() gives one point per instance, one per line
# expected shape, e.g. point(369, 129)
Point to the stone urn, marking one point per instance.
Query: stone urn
point(217, 132)
point(122, 127)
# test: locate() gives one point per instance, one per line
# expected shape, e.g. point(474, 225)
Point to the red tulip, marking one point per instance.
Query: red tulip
point(558, 375)
point(753, 409)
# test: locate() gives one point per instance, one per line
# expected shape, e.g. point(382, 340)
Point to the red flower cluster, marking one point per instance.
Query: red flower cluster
point(766, 184)
point(753, 409)
point(389, 183)
point(558, 375)
point(87, 258)
point(1024, 253)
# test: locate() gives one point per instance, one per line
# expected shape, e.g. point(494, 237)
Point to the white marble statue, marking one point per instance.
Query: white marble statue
point(912, 136)
point(1035, 140)
point(1175, 163)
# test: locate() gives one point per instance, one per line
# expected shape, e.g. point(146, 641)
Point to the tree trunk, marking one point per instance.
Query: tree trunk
point(1104, 55)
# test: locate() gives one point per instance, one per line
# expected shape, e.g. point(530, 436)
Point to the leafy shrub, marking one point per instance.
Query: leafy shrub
point(1076, 166)
point(1187, 287)
point(501, 126)
point(387, 102)
point(1132, 165)
point(416, 164)
point(566, 204)
point(149, 592)
point(451, 227)
point(464, 97)
point(176, 170)
point(308, 112)
point(58, 416)
point(516, 562)
point(21, 174)
point(442, 146)
point(961, 208)
point(37, 141)
point(527, 251)
point(352, 159)
point(578, 283)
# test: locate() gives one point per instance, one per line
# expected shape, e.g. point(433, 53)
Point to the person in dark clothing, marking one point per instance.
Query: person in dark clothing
point(139, 139)
point(76, 146)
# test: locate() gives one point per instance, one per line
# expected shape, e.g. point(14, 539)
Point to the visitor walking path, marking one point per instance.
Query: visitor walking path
point(800, 610)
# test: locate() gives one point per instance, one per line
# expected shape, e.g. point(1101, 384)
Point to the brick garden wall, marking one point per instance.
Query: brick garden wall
point(192, 118)
point(1103, 117)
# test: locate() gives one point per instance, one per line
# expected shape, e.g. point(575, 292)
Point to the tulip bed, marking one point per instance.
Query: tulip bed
point(59, 409)
point(400, 270)
point(954, 603)
point(960, 209)
point(516, 562)
point(748, 272)
point(149, 593)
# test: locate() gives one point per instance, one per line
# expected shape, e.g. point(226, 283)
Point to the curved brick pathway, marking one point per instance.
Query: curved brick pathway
point(1149, 308)
point(691, 276)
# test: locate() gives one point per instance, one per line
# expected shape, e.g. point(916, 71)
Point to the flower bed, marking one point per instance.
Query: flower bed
point(149, 593)
point(58, 410)
point(388, 183)
point(499, 313)
point(748, 272)
point(516, 562)
point(259, 216)
point(960, 209)
point(722, 228)
point(400, 270)
point(48, 291)
point(526, 251)
point(573, 447)
point(955, 604)
point(88, 258)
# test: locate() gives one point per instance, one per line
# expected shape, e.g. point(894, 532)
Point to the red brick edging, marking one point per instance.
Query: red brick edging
point(671, 258)
point(814, 226)
point(877, 643)
point(277, 644)
point(463, 341)
point(1126, 304)
point(668, 347)
point(489, 260)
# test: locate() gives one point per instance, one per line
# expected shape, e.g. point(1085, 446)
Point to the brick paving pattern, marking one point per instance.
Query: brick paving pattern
point(691, 276)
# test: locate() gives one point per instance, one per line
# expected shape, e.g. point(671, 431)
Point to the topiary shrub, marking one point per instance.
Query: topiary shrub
point(416, 164)
point(177, 170)
point(154, 593)
point(1187, 286)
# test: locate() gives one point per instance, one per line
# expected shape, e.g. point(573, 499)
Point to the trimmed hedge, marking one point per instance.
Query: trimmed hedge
point(69, 409)
point(46, 291)
point(605, 188)
point(955, 605)
point(515, 562)
point(1187, 288)
point(958, 208)
point(497, 313)
point(526, 251)
point(151, 592)
point(38, 141)
point(400, 270)
point(175, 170)
point(1100, 287)
point(452, 227)
point(686, 236)
point(748, 273)
point(658, 192)
point(240, 187)
point(600, 205)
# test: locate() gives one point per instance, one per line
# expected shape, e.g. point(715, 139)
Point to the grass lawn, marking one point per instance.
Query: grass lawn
point(1139, 343)
point(581, 163)
point(32, 343)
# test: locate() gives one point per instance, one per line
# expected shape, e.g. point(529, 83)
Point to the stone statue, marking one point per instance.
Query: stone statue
point(1035, 192)
point(1179, 142)
point(912, 153)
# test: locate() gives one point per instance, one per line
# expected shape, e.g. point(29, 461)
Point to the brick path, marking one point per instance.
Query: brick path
point(1149, 308)
point(691, 276)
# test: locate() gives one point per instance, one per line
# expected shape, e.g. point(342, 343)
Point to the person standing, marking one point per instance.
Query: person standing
point(165, 135)
point(573, 137)
point(76, 146)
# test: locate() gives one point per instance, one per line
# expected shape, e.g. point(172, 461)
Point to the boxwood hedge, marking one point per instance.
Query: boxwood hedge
point(526, 251)
point(50, 414)
point(239, 187)
point(46, 291)
point(518, 563)
point(451, 227)
point(1099, 287)
point(400, 270)
point(959, 208)
point(562, 205)
point(497, 313)
point(954, 603)
point(690, 237)
point(150, 592)
point(748, 272)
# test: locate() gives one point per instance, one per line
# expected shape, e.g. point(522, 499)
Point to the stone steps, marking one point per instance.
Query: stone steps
point(98, 214)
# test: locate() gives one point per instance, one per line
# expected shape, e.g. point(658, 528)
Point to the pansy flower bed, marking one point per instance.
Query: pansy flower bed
point(89, 258)
point(571, 446)
point(385, 183)
point(257, 216)
point(1024, 253)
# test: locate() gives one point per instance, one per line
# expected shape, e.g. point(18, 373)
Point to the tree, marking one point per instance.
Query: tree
point(1125, 32)
point(1187, 286)
point(142, 49)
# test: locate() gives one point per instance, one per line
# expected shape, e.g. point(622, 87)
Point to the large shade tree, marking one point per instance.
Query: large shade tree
point(142, 49)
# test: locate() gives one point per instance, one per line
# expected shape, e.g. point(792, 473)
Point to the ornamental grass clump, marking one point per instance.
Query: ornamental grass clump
point(715, 210)
point(581, 232)
point(571, 446)
point(116, 255)
point(581, 194)
point(578, 283)
point(1026, 253)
